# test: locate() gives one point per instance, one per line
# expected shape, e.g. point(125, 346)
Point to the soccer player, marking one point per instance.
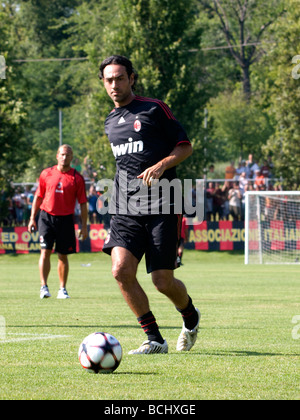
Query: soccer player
point(147, 142)
point(59, 188)
point(183, 239)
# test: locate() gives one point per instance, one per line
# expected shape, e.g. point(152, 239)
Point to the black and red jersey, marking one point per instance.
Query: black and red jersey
point(141, 134)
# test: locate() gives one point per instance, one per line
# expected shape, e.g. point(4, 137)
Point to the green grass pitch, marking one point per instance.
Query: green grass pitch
point(248, 347)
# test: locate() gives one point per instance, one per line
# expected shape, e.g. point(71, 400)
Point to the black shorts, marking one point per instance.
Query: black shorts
point(59, 230)
point(155, 236)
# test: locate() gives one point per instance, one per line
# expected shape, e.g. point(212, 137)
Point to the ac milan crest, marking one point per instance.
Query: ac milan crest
point(137, 125)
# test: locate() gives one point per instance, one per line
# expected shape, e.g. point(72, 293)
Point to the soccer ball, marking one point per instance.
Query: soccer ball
point(100, 353)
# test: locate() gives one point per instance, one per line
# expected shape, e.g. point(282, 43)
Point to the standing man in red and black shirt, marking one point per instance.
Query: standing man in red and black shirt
point(59, 188)
point(148, 143)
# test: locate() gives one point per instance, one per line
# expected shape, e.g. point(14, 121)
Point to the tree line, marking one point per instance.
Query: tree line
point(227, 69)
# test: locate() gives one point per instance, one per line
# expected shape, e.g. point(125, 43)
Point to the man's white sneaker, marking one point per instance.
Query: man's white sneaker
point(187, 338)
point(151, 347)
point(63, 294)
point(44, 292)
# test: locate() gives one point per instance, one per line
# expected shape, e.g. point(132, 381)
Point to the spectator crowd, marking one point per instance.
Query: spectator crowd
point(224, 198)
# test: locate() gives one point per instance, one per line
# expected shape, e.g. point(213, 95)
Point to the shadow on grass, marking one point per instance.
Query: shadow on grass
point(135, 373)
point(237, 353)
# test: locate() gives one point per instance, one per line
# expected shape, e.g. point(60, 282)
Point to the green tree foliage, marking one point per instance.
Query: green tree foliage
point(174, 45)
point(239, 127)
point(14, 149)
point(243, 25)
point(40, 33)
point(283, 97)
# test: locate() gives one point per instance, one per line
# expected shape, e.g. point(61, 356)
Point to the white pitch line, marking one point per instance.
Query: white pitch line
point(31, 337)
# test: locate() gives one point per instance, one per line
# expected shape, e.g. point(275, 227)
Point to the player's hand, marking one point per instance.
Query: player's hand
point(31, 226)
point(151, 175)
point(82, 233)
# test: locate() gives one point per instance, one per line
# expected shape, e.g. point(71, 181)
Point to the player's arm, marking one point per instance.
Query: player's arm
point(180, 153)
point(82, 200)
point(84, 216)
point(36, 204)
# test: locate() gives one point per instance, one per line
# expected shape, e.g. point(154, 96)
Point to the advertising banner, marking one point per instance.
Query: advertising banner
point(206, 236)
point(276, 235)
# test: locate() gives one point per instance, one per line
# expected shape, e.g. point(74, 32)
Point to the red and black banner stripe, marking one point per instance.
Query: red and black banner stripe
point(217, 236)
point(206, 236)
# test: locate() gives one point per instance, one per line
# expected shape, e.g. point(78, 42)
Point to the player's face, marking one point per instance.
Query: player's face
point(118, 85)
point(64, 158)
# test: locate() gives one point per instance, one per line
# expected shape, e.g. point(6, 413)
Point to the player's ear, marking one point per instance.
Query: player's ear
point(132, 79)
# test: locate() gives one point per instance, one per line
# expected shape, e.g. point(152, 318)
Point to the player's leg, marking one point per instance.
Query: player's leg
point(65, 245)
point(174, 289)
point(126, 244)
point(124, 269)
point(63, 272)
point(47, 237)
point(161, 262)
point(44, 269)
point(44, 266)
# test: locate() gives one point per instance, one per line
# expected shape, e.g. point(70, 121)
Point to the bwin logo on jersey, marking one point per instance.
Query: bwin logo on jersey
point(127, 148)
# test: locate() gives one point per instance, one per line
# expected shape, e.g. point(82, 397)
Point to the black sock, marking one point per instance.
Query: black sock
point(150, 327)
point(189, 315)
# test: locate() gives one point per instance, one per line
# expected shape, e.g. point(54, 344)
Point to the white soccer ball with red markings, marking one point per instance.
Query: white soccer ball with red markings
point(100, 353)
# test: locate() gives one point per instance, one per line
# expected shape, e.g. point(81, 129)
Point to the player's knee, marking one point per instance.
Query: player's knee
point(45, 254)
point(63, 258)
point(121, 272)
point(162, 283)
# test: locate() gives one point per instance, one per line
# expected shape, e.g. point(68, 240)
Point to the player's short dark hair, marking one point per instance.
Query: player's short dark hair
point(122, 61)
